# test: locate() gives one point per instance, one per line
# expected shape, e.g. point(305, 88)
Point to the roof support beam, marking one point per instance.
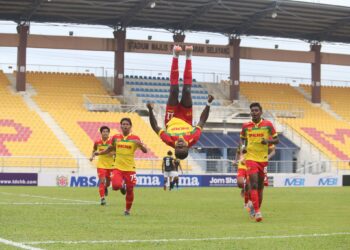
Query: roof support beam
point(131, 13)
point(243, 27)
point(30, 12)
point(333, 28)
point(187, 23)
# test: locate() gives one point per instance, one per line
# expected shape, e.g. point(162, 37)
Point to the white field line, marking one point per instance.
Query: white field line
point(16, 244)
point(46, 197)
point(47, 203)
point(193, 239)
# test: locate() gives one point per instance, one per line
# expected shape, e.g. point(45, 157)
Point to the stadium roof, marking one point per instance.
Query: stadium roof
point(283, 18)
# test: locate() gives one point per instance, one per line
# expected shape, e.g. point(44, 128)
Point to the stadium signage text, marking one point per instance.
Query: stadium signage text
point(166, 48)
point(307, 180)
point(328, 181)
point(18, 179)
point(296, 182)
point(143, 180)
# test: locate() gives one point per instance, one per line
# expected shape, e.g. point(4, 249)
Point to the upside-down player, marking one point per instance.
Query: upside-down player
point(104, 163)
point(255, 140)
point(124, 176)
point(179, 132)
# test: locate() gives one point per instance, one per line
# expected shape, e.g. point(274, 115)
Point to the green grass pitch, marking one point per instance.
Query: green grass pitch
point(190, 218)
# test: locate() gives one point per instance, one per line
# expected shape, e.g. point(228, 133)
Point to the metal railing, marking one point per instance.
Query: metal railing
point(214, 77)
point(189, 166)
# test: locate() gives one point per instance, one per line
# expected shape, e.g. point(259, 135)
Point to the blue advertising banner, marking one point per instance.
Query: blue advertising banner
point(148, 180)
point(18, 179)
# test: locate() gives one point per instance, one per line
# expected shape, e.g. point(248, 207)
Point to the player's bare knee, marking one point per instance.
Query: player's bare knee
point(116, 186)
point(174, 92)
point(254, 186)
point(240, 182)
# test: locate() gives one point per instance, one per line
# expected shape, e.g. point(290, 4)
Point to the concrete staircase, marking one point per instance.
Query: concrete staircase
point(324, 105)
point(51, 123)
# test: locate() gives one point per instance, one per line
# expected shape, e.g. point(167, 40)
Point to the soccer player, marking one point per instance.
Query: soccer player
point(104, 164)
point(179, 132)
point(255, 142)
point(243, 178)
point(167, 166)
point(124, 176)
point(177, 165)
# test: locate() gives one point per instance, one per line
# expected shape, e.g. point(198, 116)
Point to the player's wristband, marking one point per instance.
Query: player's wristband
point(209, 104)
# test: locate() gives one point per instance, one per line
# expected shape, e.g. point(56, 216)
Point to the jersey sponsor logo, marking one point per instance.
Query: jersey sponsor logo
point(256, 135)
point(294, 182)
point(179, 128)
point(124, 146)
point(328, 181)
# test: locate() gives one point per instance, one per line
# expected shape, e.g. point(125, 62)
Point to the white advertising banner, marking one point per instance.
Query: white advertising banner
point(307, 180)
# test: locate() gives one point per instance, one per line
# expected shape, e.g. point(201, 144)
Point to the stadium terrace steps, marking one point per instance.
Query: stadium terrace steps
point(23, 133)
point(336, 97)
point(158, 91)
point(316, 126)
point(56, 129)
point(62, 97)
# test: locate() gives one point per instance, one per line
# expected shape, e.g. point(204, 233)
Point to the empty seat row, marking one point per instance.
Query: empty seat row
point(151, 77)
point(166, 96)
point(166, 90)
point(161, 84)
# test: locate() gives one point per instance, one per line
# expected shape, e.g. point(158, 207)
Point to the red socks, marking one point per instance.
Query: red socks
point(129, 198)
point(260, 195)
point(174, 75)
point(101, 189)
point(246, 197)
point(188, 72)
point(255, 199)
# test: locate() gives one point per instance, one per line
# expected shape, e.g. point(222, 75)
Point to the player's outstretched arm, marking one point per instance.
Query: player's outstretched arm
point(272, 152)
point(205, 113)
point(152, 118)
point(274, 140)
point(93, 152)
point(141, 146)
point(106, 151)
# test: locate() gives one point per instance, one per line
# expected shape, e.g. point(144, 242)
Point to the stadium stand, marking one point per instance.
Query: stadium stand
point(317, 126)
point(22, 132)
point(62, 96)
point(231, 140)
point(336, 97)
point(157, 90)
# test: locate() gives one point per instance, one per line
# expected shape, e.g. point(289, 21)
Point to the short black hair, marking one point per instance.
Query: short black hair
point(181, 154)
point(126, 119)
point(255, 104)
point(103, 128)
point(170, 152)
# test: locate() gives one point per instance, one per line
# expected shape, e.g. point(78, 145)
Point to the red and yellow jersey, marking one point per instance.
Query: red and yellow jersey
point(241, 165)
point(104, 161)
point(177, 128)
point(254, 133)
point(125, 147)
